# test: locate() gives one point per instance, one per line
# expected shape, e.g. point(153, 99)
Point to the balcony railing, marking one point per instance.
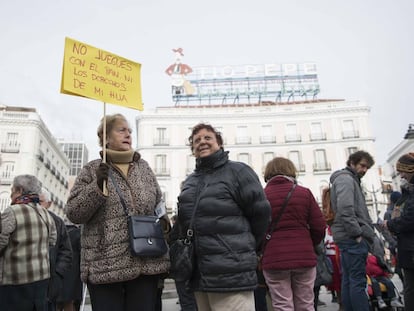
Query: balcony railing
point(6, 180)
point(161, 141)
point(350, 134)
point(317, 136)
point(162, 171)
point(319, 167)
point(267, 139)
point(10, 148)
point(293, 138)
point(241, 140)
point(301, 167)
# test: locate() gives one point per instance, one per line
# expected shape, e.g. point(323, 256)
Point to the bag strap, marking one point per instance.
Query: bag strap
point(190, 231)
point(121, 197)
point(276, 220)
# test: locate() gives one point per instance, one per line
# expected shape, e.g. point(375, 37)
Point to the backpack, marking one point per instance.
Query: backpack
point(327, 211)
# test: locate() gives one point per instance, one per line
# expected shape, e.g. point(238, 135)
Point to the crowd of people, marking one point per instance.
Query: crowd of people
point(243, 235)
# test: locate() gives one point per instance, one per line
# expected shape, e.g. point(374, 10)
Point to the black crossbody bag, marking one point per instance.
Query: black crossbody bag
point(146, 238)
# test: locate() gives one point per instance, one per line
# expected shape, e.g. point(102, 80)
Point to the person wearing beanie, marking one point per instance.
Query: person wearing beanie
point(403, 227)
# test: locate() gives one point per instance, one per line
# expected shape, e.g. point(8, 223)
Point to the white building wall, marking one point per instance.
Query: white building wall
point(403, 147)
point(331, 114)
point(34, 151)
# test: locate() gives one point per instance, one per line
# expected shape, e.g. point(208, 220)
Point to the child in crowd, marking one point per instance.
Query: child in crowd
point(379, 273)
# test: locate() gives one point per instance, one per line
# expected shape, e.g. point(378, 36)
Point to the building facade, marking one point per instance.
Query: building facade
point(27, 147)
point(405, 146)
point(317, 135)
point(78, 156)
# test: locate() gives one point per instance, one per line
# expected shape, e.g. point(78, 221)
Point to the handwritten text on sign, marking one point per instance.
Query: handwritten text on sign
point(97, 74)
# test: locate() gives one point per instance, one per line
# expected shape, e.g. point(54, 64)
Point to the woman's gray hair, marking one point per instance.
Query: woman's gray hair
point(27, 184)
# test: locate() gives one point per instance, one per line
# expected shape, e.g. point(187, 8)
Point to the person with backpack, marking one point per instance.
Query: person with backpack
point(352, 229)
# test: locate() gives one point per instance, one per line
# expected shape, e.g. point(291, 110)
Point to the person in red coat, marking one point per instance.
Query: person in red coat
point(379, 274)
point(289, 259)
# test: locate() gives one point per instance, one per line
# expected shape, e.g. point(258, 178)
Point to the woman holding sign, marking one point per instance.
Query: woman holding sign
point(116, 280)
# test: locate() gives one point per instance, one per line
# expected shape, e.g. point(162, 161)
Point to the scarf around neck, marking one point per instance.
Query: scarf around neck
point(26, 199)
point(120, 157)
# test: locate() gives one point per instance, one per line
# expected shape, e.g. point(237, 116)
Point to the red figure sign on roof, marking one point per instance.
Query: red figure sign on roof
point(178, 71)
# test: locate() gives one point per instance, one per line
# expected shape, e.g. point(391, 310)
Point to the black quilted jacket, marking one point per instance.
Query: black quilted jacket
point(231, 218)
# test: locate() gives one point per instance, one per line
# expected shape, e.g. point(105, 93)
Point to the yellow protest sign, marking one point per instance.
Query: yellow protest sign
point(101, 75)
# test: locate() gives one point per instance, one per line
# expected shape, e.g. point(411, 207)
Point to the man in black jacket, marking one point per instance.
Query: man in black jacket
point(60, 254)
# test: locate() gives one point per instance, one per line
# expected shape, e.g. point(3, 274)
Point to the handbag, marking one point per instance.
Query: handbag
point(182, 260)
point(182, 251)
point(324, 269)
point(146, 238)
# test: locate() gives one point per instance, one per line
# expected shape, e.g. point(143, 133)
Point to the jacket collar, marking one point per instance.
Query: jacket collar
point(212, 161)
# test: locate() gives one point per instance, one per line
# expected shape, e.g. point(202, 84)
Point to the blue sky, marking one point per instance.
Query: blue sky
point(363, 50)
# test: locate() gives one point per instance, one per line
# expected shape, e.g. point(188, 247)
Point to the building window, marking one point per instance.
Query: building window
point(296, 158)
point(161, 137)
point(12, 144)
point(161, 164)
point(242, 136)
point(267, 157)
point(351, 150)
point(266, 135)
point(349, 130)
point(190, 131)
point(4, 200)
point(190, 164)
point(317, 132)
point(292, 134)
point(77, 155)
point(321, 163)
point(244, 157)
point(7, 173)
point(220, 130)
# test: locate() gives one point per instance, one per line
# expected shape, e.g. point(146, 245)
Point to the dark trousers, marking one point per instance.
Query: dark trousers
point(260, 292)
point(388, 284)
point(260, 298)
point(354, 280)
point(51, 306)
point(408, 289)
point(316, 291)
point(138, 294)
point(24, 297)
point(185, 297)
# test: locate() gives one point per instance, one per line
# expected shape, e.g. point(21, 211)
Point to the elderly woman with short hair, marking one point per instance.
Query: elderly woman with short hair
point(27, 233)
point(231, 216)
point(116, 280)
